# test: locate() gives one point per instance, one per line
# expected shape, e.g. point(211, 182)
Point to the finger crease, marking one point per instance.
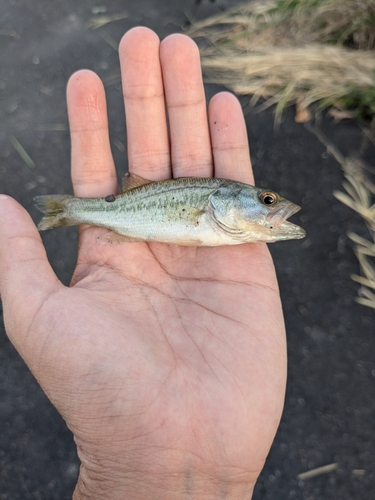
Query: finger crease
point(186, 104)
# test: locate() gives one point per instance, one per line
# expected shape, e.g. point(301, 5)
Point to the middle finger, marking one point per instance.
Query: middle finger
point(146, 123)
point(184, 93)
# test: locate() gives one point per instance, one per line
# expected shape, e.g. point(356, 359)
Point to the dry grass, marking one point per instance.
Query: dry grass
point(275, 50)
point(348, 22)
point(22, 152)
point(359, 196)
point(96, 22)
point(296, 22)
point(286, 75)
point(319, 471)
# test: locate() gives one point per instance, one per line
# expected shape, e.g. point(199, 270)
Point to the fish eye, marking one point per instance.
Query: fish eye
point(268, 198)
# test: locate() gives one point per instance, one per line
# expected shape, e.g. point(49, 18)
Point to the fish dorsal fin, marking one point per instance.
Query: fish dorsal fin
point(130, 181)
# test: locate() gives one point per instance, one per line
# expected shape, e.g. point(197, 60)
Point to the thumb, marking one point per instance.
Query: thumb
point(26, 277)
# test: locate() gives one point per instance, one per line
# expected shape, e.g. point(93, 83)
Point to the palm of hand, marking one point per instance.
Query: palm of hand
point(168, 362)
point(180, 356)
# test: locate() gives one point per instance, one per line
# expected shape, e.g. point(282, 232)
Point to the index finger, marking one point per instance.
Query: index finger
point(93, 170)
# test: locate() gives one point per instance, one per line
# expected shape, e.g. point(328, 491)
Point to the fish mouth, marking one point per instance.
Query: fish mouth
point(277, 220)
point(281, 214)
point(291, 230)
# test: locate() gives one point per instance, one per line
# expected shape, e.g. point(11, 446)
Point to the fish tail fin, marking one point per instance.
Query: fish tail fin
point(55, 210)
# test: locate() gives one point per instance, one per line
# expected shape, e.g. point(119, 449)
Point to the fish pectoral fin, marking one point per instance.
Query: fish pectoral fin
point(112, 238)
point(193, 214)
point(130, 181)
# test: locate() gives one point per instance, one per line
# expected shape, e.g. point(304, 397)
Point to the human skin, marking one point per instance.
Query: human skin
point(167, 363)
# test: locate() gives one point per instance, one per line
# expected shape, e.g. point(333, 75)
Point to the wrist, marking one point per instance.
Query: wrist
point(161, 474)
point(133, 486)
point(175, 491)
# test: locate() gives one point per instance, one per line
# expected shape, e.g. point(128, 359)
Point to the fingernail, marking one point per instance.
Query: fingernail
point(3, 197)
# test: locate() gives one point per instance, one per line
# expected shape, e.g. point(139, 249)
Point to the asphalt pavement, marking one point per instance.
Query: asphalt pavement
point(329, 412)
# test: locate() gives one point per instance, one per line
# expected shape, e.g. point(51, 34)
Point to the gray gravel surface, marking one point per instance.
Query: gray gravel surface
point(330, 402)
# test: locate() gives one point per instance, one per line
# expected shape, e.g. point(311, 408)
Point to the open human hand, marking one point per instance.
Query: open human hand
point(167, 363)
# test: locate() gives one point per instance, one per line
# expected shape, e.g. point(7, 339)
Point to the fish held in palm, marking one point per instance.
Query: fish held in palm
point(185, 211)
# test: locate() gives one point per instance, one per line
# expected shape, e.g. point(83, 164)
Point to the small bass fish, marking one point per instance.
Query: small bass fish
point(185, 211)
